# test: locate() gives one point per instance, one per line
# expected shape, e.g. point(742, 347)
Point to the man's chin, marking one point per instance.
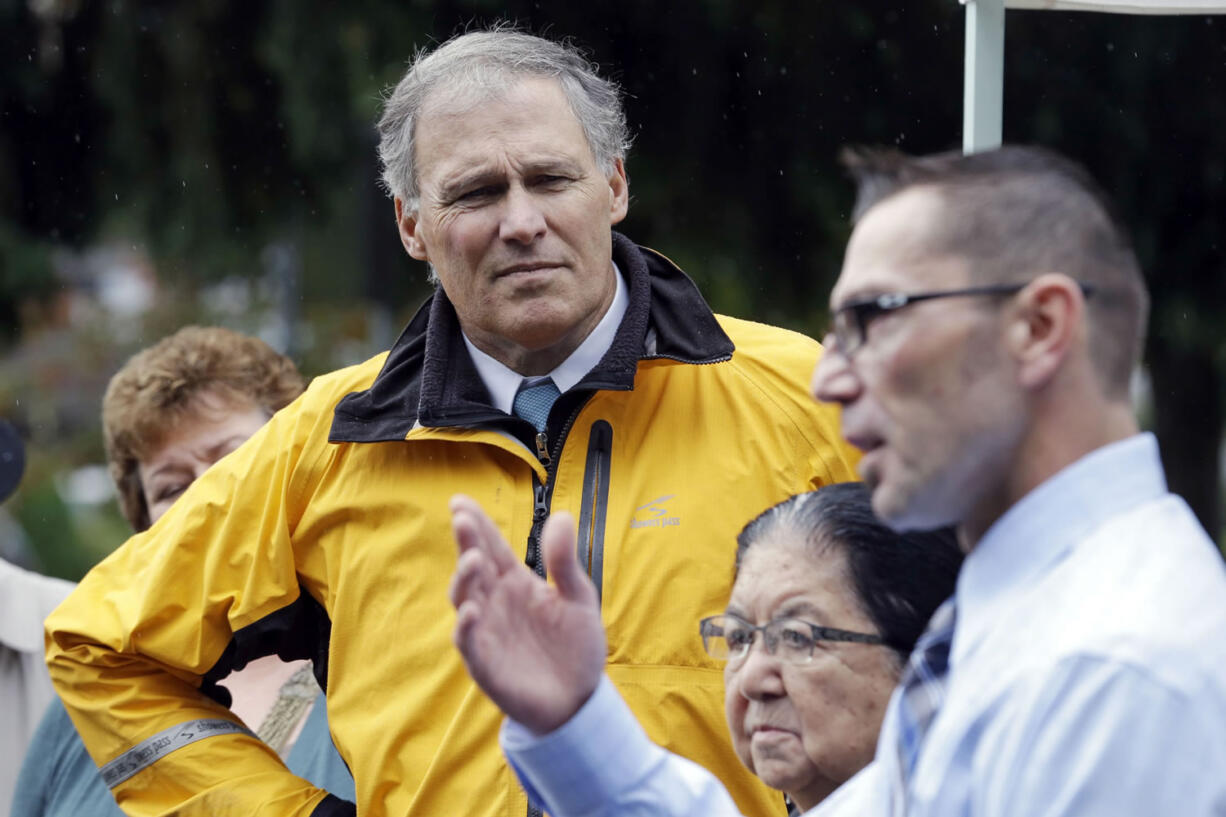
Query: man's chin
point(884, 503)
point(904, 510)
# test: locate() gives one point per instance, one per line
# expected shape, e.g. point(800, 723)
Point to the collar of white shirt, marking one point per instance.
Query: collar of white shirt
point(1043, 527)
point(503, 382)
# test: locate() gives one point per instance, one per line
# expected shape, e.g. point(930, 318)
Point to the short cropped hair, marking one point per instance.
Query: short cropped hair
point(485, 63)
point(159, 387)
point(899, 579)
point(1017, 212)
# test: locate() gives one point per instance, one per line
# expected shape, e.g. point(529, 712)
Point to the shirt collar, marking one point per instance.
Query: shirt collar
point(503, 382)
point(1040, 529)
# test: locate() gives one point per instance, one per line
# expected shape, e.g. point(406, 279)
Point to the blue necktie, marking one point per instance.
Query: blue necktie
point(923, 686)
point(534, 400)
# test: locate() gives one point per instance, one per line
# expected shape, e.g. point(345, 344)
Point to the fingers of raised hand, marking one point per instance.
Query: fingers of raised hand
point(472, 588)
point(472, 580)
point(472, 642)
point(561, 561)
point(473, 529)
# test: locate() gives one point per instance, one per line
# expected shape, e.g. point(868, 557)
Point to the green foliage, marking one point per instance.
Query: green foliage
point(205, 132)
point(68, 541)
point(22, 278)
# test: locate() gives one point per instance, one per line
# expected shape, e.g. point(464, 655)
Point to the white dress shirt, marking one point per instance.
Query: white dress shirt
point(25, 689)
point(1087, 677)
point(503, 382)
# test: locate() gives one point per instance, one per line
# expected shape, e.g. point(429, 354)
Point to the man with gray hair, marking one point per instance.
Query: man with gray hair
point(558, 367)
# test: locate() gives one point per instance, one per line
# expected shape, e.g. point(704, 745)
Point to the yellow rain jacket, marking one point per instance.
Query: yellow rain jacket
point(327, 536)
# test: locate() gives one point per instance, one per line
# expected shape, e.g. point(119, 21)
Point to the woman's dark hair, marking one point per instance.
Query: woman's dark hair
point(900, 578)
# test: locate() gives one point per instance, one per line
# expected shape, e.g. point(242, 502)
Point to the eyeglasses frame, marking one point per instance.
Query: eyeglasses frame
point(864, 311)
point(820, 633)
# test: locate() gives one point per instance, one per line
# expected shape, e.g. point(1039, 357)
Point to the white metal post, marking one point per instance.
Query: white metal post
point(984, 84)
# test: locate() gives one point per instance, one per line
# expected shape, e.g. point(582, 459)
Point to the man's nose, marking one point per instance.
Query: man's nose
point(522, 218)
point(833, 378)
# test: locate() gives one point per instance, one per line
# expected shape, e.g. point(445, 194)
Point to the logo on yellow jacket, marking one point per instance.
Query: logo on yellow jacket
point(654, 514)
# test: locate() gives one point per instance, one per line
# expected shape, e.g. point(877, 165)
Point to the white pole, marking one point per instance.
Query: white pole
point(984, 84)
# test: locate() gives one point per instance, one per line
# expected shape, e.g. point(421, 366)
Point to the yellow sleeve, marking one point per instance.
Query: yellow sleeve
point(834, 458)
point(130, 647)
point(780, 363)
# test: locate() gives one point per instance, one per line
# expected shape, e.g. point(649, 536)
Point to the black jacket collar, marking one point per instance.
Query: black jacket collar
point(429, 377)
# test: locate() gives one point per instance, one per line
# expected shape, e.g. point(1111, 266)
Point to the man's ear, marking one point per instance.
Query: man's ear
point(619, 189)
point(1046, 325)
point(406, 224)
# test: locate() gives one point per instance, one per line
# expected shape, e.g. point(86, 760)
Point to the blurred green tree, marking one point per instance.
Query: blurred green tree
point(220, 136)
point(1140, 100)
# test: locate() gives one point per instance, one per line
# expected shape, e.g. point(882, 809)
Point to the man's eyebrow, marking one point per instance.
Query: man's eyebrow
point(450, 188)
point(475, 178)
point(860, 296)
point(555, 165)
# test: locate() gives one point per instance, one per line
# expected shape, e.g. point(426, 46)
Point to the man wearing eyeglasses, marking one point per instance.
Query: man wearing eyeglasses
point(987, 320)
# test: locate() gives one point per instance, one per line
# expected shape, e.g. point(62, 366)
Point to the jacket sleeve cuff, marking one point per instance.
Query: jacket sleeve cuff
point(587, 762)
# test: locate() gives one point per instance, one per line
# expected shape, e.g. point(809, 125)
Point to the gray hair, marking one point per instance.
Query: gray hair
point(898, 578)
point(483, 63)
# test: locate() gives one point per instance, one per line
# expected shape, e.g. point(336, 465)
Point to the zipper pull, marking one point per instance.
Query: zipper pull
point(539, 511)
point(542, 448)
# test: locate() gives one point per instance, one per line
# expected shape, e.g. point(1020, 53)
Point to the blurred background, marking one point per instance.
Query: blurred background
point(213, 161)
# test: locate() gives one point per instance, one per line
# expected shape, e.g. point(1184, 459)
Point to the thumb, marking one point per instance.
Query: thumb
point(561, 562)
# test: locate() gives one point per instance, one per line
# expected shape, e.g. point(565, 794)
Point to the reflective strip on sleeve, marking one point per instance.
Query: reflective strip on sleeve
point(152, 749)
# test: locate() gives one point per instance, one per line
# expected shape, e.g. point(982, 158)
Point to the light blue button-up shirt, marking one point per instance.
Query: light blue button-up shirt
point(1087, 678)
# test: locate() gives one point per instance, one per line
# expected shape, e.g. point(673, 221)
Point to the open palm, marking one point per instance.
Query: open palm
point(537, 650)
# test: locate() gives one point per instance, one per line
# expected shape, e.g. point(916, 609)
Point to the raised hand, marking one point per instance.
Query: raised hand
point(537, 650)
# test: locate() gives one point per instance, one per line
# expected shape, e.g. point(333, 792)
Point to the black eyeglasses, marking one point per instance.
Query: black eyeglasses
point(849, 323)
point(728, 638)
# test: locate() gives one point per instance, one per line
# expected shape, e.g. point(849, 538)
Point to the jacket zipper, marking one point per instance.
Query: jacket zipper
point(542, 493)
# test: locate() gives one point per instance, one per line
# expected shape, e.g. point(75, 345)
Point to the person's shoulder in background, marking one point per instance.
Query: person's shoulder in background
point(26, 598)
point(58, 777)
point(315, 758)
point(779, 364)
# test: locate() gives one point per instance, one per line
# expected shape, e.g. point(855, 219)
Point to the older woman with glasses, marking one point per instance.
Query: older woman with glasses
point(826, 606)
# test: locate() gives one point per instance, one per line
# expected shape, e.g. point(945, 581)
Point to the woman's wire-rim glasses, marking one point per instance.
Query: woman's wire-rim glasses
point(729, 638)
